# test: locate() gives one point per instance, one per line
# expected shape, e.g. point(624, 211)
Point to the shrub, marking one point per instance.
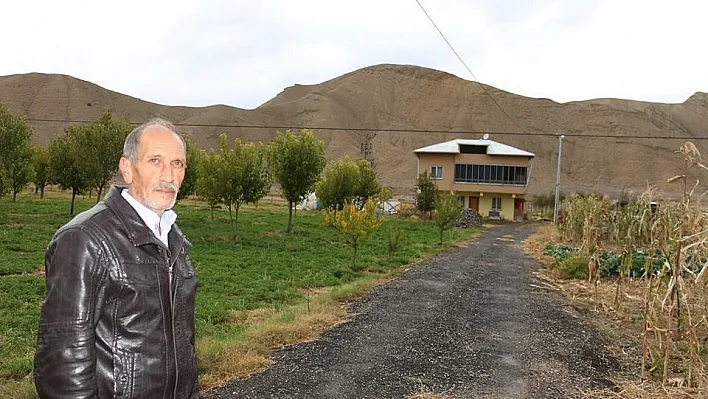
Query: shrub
point(406, 210)
point(574, 266)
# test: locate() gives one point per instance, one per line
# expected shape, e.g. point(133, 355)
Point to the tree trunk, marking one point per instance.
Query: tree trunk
point(14, 195)
point(290, 217)
point(233, 233)
point(73, 197)
point(41, 193)
point(100, 190)
point(235, 229)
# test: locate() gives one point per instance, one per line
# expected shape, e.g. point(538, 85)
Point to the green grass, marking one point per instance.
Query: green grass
point(27, 226)
point(265, 269)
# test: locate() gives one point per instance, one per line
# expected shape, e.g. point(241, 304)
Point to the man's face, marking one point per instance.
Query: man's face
point(157, 174)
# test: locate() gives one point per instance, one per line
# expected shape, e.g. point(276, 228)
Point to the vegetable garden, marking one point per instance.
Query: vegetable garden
point(650, 259)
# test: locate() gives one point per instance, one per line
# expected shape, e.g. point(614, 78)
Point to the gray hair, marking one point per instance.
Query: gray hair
point(130, 146)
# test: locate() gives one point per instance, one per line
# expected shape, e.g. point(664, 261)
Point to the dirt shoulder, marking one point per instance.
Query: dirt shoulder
point(469, 323)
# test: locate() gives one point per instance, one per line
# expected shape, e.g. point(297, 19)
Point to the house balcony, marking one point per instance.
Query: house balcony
point(501, 188)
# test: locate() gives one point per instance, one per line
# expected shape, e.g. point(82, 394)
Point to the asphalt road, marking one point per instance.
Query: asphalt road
point(463, 324)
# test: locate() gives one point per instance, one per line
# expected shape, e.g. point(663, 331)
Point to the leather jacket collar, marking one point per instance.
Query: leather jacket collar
point(139, 233)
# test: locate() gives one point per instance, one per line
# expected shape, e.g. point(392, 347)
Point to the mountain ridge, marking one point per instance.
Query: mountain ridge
point(400, 97)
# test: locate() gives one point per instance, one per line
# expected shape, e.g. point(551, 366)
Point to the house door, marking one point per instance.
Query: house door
point(474, 203)
point(518, 208)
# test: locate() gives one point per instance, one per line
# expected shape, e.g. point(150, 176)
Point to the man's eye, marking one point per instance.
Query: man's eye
point(178, 164)
point(154, 160)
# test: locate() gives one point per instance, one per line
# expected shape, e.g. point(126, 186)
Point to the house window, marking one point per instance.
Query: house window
point(436, 172)
point(496, 203)
point(491, 174)
point(461, 198)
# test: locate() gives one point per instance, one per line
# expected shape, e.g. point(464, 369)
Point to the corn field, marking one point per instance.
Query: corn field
point(675, 311)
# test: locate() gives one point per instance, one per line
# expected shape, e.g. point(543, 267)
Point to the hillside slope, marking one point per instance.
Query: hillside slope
point(401, 97)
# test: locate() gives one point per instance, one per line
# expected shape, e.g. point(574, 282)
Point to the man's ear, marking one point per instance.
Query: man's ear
point(126, 170)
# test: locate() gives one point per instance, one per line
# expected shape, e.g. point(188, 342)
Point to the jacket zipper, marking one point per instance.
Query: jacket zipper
point(170, 268)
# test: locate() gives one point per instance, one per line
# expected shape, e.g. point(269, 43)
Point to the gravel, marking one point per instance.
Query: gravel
point(465, 324)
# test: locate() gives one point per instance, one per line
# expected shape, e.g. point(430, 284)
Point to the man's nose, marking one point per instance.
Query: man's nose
point(167, 173)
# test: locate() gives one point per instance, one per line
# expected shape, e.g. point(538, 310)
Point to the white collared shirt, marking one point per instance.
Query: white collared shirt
point(160, 226)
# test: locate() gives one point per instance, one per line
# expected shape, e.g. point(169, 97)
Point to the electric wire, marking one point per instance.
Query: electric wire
point(468, 68)
point(384, 130)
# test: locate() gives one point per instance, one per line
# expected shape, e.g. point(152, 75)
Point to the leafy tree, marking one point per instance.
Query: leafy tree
point(425, 197)
point(369, 186)
point(243, 176)
point(40, 164)
point(208, 186)
point(339, 185)
point(356, 225)
point(296, 163)
point(64, 169)
point(447, 210)
point(189, 183)
point(15, 165)
point(100, 144)
point(346, 180)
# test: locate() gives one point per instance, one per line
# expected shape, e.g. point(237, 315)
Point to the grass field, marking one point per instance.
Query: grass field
point(269, 289)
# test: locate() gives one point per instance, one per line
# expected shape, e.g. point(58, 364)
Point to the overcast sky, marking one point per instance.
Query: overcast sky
point(244, 52)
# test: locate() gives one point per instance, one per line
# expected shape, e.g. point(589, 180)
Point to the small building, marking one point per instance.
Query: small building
point(488, 176)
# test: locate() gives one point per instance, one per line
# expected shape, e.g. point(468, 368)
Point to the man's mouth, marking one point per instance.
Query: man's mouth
point(166, 189)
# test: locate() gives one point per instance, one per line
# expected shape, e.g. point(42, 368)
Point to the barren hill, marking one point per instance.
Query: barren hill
point(400, 97)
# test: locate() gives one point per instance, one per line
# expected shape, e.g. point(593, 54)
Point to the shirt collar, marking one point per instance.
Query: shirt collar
point(151, 218)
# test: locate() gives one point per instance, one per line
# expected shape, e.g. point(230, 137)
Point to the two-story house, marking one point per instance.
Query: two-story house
point(488, 176)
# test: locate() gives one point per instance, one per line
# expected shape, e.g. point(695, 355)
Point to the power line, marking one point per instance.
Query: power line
point(369, 129)
point(468, 68)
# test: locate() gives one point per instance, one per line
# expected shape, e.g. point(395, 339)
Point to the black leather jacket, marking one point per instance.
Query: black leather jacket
point(112, 325)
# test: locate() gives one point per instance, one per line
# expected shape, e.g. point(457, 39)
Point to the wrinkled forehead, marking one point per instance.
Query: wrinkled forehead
point(162, 140)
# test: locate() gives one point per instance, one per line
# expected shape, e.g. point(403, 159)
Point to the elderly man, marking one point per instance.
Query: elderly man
point(118, 319)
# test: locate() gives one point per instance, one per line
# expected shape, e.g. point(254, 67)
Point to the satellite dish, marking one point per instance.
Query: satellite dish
point(486, 136)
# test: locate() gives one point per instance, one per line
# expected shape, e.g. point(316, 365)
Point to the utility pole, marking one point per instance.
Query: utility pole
point(366, 147)
point(556, 204)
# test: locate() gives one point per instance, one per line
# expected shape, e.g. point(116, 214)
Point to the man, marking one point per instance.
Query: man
point(118, 319)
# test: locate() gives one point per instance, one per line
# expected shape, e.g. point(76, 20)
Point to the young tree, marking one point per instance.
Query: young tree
point(425, 197)
point(15, 166)
point(189, 183)
point(243, 176)
point(64, 154)
point(296, 163)
point(208, 186)
point(356, 225)
point(40, 164)
point(369, 186)
point(447, 210)
point(100, 144)
point(339, 185)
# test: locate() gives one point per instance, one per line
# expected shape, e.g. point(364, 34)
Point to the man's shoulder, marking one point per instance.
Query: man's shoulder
point(97, 218)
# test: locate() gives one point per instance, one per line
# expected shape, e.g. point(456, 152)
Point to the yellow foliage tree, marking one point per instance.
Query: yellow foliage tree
point(355, 225)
